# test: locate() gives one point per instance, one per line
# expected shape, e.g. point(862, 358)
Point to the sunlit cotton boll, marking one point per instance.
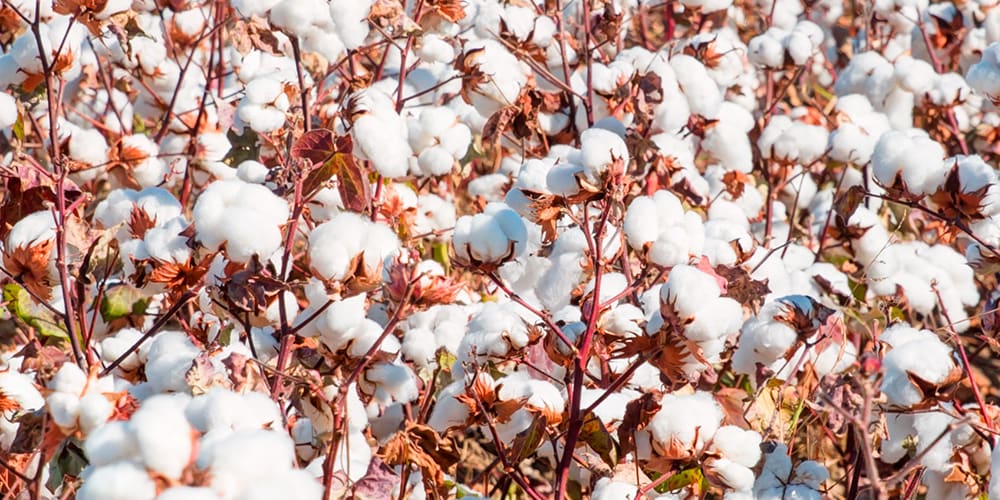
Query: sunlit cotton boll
point(246, 218)
point(490, 237)
point(335, 245)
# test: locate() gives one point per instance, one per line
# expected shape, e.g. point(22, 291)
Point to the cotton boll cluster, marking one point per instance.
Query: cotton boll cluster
point(778, 479)
point(688, 425)
point(858, 131)
point(659, 226)
point(937, 437)
point(691, 301)
point(777, 48)
point(438, 140)
point(784, 336)
point(335, 257)
point(79, 401)
point(792, 141)
point(224, 437)
point(264, 106)
point(245, 218)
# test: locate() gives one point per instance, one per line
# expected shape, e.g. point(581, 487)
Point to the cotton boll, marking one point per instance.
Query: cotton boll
point(490, 237)
point(295, 484)
point(599, 150)
point(118, 481)
point(169, 359)
point(911, 157)
point(983, 76)
point(8, 110)
point(188, 493)
point(380, 133)
point(247, 456)
point(688, 289)
point(702, 94)
point(608, 489)
point(94, 411)
point(913, 351)
point(163, 435)
point(686, 422)
point(246, 218)
point(331, 255)
point(736, 444)
point(392, 383)
point(111, 442)
point(494, 331)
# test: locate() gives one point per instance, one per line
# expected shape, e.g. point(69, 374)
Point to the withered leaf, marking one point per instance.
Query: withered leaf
point(379, 482)
point(741, 287)
point(528, 440)
point(638, 414)
point(30, 265)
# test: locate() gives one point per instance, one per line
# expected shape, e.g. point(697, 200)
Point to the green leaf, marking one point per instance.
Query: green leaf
point(528, 440)
point(439, 252)
point(681, 480)
point(599, 439)
point(19, 128)
point(24, 308)
point(122, 301)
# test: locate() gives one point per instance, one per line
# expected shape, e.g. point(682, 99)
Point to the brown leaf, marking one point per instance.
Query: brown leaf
point(30, 265)
point(638, 414)
point(378, 483)
point(743, 288)
point(202, 375)
point(243, 375)
point(545, 211)
point(352, 183)
point(422, 446)
point(139, 222)
point(451, 10)
point(735, 182)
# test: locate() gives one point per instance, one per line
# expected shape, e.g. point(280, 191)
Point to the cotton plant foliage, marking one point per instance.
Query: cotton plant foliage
point(259, 249)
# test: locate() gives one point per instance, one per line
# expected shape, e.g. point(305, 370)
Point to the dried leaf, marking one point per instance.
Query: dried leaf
point(30, 265)
point(527, 441)
point(638, 414)
point(378, 483)
point(742, 288)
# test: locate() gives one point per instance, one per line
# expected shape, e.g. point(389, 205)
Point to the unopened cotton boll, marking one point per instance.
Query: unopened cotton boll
point(490, 237)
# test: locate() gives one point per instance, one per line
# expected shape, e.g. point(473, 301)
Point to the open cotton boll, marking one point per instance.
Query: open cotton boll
point(8, 110)
point(792, 141)
point(379, 133)
point(916, 352)
point(332, 255)
point(540, 394)
point(660, 226)
point(245, 457)
point(188, 493)
point(688, 289)
point(118, 481)
point(910, 158)
point(391, 383)
point(767, 49)
point(246, 218)
point(490, 237)
point(21, 396)
point(111, 442)
point(294, 484)
point(494, 331)
point(742, 446)
point(702, 94)
point(163, 434)
point(764, 340)
point(984, 76)
point(599, 150)
point(168, 361)
point(685, 422)
point(609, 489)
point(299, 17)
point(264, 105)
point(158, 203)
